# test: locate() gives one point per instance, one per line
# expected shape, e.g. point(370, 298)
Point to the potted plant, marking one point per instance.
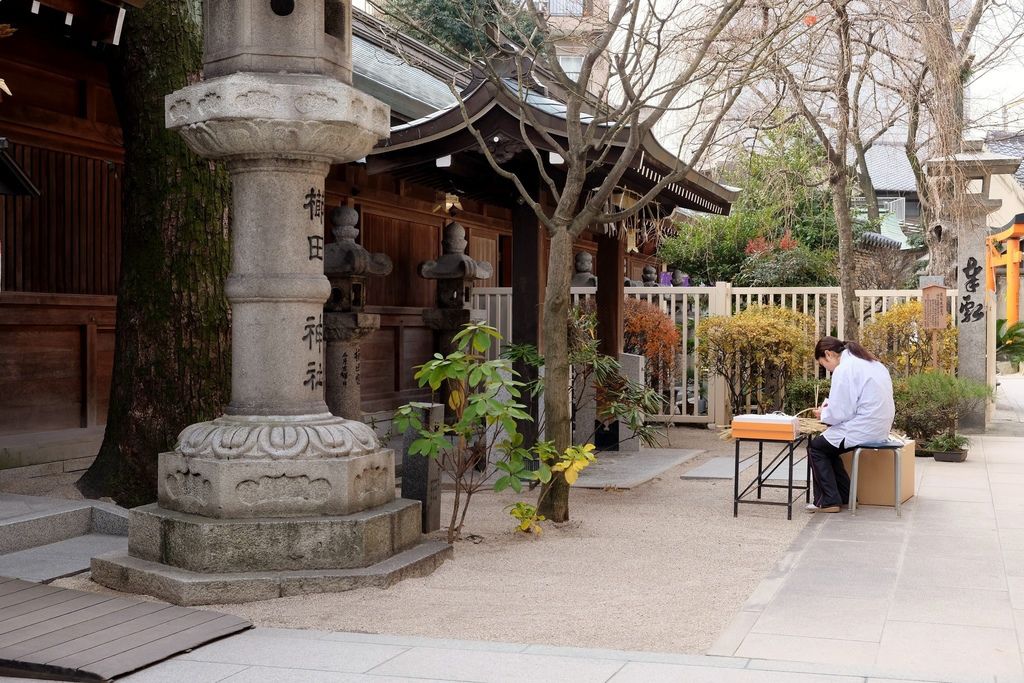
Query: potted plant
point(948, 447)
point(929, 406)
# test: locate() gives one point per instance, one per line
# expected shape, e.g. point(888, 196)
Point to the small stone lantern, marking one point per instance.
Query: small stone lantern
point(455, 271)
point(347, 265)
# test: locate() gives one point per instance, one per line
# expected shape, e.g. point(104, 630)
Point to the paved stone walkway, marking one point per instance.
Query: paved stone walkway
point(290, 656)
point(939, 592)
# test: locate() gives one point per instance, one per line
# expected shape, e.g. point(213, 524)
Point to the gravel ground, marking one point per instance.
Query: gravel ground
point(663, 567)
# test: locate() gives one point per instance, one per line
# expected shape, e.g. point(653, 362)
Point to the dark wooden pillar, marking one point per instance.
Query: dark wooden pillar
point(611, 254)
point(527, 301)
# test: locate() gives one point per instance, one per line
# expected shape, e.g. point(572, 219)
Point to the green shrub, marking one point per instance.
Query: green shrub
point(800, 393)
point(931, 403)
point(797, 267)
point(758, 351)
point(900, 341)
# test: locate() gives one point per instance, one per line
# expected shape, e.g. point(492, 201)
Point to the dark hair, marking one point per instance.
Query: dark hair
point(838, 346)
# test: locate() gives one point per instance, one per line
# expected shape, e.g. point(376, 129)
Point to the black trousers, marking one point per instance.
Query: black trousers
point(831, 482)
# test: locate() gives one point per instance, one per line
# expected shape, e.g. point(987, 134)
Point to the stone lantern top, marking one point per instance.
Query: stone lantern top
point(454, 263)
point(973, 163)
point(273, 36)
point(346, 258)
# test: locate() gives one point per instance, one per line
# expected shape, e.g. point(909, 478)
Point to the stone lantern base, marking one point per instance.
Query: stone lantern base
point(257, 527)
point(192, 560)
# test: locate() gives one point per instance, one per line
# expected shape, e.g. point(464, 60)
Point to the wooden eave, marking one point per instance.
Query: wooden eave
point(493, 110)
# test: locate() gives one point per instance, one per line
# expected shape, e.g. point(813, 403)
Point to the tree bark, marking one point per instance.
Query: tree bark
point(554, 497)
point(172, 351)
point(839, 182)
point(867, 188)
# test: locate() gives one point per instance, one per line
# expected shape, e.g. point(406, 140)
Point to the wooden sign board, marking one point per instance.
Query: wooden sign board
point(933, 298)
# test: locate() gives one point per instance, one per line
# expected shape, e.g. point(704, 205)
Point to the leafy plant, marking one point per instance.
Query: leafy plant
point(900, 341)
point(931, 403)
point(618, 398)
point(650, 332)
point(805, 392)
point(527, 516)
point(758, 351)
point(794, 267)
point(946, 443)
point(783, 202)
point(1010, 341)
point(483, 425)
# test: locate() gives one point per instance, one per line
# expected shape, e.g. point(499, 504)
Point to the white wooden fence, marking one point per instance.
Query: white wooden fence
point(696, 398)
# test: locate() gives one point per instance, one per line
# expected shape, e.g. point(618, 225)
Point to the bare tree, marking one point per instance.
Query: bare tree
point(651, 64)
point(940, 56)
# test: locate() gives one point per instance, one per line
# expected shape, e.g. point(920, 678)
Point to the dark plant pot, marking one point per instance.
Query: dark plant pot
point(922, 452)
point(950, 456)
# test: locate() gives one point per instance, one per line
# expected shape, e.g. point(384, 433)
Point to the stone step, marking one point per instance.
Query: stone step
point(123, 572)
point(55, 560)
point(31, 521)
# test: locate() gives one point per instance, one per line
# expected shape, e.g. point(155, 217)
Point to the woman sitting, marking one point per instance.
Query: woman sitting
point(859, 409)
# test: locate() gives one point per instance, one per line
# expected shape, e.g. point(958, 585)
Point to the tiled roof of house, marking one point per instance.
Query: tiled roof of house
point(1008, 143)
point(889, 168)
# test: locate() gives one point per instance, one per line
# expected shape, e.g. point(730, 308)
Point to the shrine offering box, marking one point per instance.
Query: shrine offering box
point(766, 427)
point(875, 485)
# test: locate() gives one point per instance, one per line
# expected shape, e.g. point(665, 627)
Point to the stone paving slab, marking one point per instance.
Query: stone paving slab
point(273, 655)
point(724, 467)
point(629, 470)
point(64, 558)
point(936, 594)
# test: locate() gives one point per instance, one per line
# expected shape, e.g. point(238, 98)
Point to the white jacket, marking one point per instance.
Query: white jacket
point(860, 408)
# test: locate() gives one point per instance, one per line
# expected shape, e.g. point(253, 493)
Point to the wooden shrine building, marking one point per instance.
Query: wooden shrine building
point(60, 248)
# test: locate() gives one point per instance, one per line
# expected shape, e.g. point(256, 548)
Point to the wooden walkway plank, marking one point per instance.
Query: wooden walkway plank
point(81, 629)
point(83, 658)
point(12, 617)
point(15, 585)
point(139, 657)
point(36, 591)
point(48, 632)
point(44, 622)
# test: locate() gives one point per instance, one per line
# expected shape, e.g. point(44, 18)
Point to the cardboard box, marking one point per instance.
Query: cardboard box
point(766, 427)
point(875, 485)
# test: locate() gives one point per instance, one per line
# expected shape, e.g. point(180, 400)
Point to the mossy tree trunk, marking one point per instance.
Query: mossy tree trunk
point(172, 353)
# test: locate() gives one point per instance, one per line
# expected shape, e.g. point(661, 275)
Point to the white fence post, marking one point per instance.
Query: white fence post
point(721, 304)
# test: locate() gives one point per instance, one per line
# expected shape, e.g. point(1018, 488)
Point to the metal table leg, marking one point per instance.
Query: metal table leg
point(736, 483)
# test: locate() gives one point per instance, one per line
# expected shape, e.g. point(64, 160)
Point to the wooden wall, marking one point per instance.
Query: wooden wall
point(67, 240)
point(56, 358)
point(64, 133)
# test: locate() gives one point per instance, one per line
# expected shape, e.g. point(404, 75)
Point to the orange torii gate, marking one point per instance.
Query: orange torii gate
point(1010, 258)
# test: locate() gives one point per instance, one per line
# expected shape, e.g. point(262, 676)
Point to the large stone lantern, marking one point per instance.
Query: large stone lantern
point(277, 496)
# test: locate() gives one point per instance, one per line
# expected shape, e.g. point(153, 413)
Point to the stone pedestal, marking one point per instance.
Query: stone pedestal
point(421, 476)
point(615, 436)
point(343, 334)
point(277, 496)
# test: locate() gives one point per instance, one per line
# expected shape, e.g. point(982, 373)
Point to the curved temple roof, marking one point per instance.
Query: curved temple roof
point(495, 112)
